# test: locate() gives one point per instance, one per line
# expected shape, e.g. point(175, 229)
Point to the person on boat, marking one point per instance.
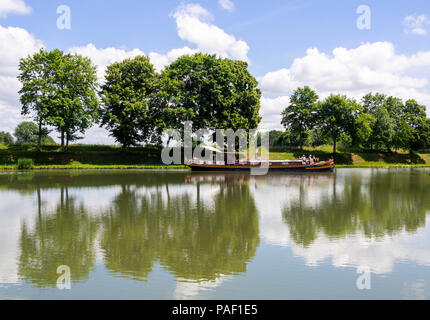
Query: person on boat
point(303, 159)
point(311, 160)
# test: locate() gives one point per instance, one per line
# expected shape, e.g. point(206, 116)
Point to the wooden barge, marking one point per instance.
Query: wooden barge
point(272, 165)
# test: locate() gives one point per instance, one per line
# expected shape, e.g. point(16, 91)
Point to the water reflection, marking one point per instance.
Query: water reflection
point(205, 228)
point(65, 236)
point(381, 204)
point(192, 240)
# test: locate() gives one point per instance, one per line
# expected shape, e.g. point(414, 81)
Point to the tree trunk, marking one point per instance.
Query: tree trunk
point(334, 145)
point(67, 143)
point(39, 139)
point(62, 139)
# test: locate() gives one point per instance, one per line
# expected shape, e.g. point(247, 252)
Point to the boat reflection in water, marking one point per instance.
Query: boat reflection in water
point(207, 230)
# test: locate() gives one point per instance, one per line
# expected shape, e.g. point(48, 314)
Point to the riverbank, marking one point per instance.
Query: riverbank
point(113, 157)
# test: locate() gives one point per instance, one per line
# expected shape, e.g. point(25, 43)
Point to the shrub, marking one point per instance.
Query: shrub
point(24, 163)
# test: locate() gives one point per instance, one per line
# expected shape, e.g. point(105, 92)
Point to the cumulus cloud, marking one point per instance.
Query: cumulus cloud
point(15, 43)
point(270, 111)
point(371, 67)
point(13, 6)
point(193, 24)
point(227, 5)
point(161, 60)
point(102, 57)
point(416, 25)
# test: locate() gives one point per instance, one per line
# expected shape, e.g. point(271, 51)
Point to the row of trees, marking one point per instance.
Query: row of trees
point(378, 122)
point(26, 132)
point(135, 103)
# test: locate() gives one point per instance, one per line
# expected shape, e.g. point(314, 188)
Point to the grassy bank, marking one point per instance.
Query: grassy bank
point(113, 157)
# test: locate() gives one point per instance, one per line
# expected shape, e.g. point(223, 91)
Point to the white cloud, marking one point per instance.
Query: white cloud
point(371, 67)
point(15, 43)
point(13, 6)
point(416, 25)
point(227, 5)
point(106, 56)
point(193, 23)
point(270, 111)
point(161, 60)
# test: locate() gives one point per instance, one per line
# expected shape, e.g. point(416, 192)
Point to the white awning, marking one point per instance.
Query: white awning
point(212, 149)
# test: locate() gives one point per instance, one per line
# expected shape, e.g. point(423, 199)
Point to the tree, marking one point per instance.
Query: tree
point(59, 90)
point(38, 87)
point(388, 125)
point(75, 104)
point(127, 110)
point(383, 129)
point(27, 132)
point(416, 121)
point(212, 92)
point(336, 116)
point(299, 116)
point(362, 133)
point(6, 138)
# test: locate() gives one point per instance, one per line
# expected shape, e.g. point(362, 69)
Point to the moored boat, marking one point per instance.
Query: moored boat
point(271, 165)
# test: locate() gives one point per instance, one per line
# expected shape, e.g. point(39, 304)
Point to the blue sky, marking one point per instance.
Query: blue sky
point(274, 36)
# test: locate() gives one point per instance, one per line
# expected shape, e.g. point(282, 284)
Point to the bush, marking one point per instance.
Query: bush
point(24, 163)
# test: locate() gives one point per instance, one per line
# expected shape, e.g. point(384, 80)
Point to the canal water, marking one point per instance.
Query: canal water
point(352, 234)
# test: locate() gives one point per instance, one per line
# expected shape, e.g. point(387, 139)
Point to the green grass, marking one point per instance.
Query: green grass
point(24, 164)
point(114, 157)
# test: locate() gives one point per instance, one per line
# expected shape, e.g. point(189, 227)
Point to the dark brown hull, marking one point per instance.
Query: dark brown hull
point(320, 167)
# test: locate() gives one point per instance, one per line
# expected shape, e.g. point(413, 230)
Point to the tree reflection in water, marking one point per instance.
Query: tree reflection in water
point(65, 236)
point(195, 237)
point(380, 204)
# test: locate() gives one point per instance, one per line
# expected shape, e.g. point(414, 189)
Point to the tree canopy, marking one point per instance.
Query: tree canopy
point(58, 89)
point(212, 92)
point(128, 112)
point(300, 115)
point(6, 138)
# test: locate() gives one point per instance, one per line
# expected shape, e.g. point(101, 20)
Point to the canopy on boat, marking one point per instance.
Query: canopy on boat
point(212, 149)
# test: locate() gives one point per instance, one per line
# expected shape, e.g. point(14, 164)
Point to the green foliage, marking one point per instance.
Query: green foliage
point(336, 116)
point(59, 90)
point(25, 164)
point(300, 115)
point(6, 138)
point(212, 92)
point(26, 132)
point(128, 112)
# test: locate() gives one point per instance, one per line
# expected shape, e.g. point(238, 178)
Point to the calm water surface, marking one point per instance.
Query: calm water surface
point(179, 235)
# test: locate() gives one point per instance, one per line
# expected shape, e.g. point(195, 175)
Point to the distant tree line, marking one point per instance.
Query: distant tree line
point(376, 123)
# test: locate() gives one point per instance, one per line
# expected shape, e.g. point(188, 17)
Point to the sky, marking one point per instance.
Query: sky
point(348, 47)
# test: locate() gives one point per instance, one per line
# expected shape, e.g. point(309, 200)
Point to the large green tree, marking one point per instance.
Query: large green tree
point(386, 129)
point(336, 117)
point(212, 92)
point(299, 117)
point(58, 89)
point(75, 105)
point(417, 123)
point(128, 111)
point(37, 77)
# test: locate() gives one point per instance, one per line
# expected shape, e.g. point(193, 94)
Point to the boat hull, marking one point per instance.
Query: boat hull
point(323, 167)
